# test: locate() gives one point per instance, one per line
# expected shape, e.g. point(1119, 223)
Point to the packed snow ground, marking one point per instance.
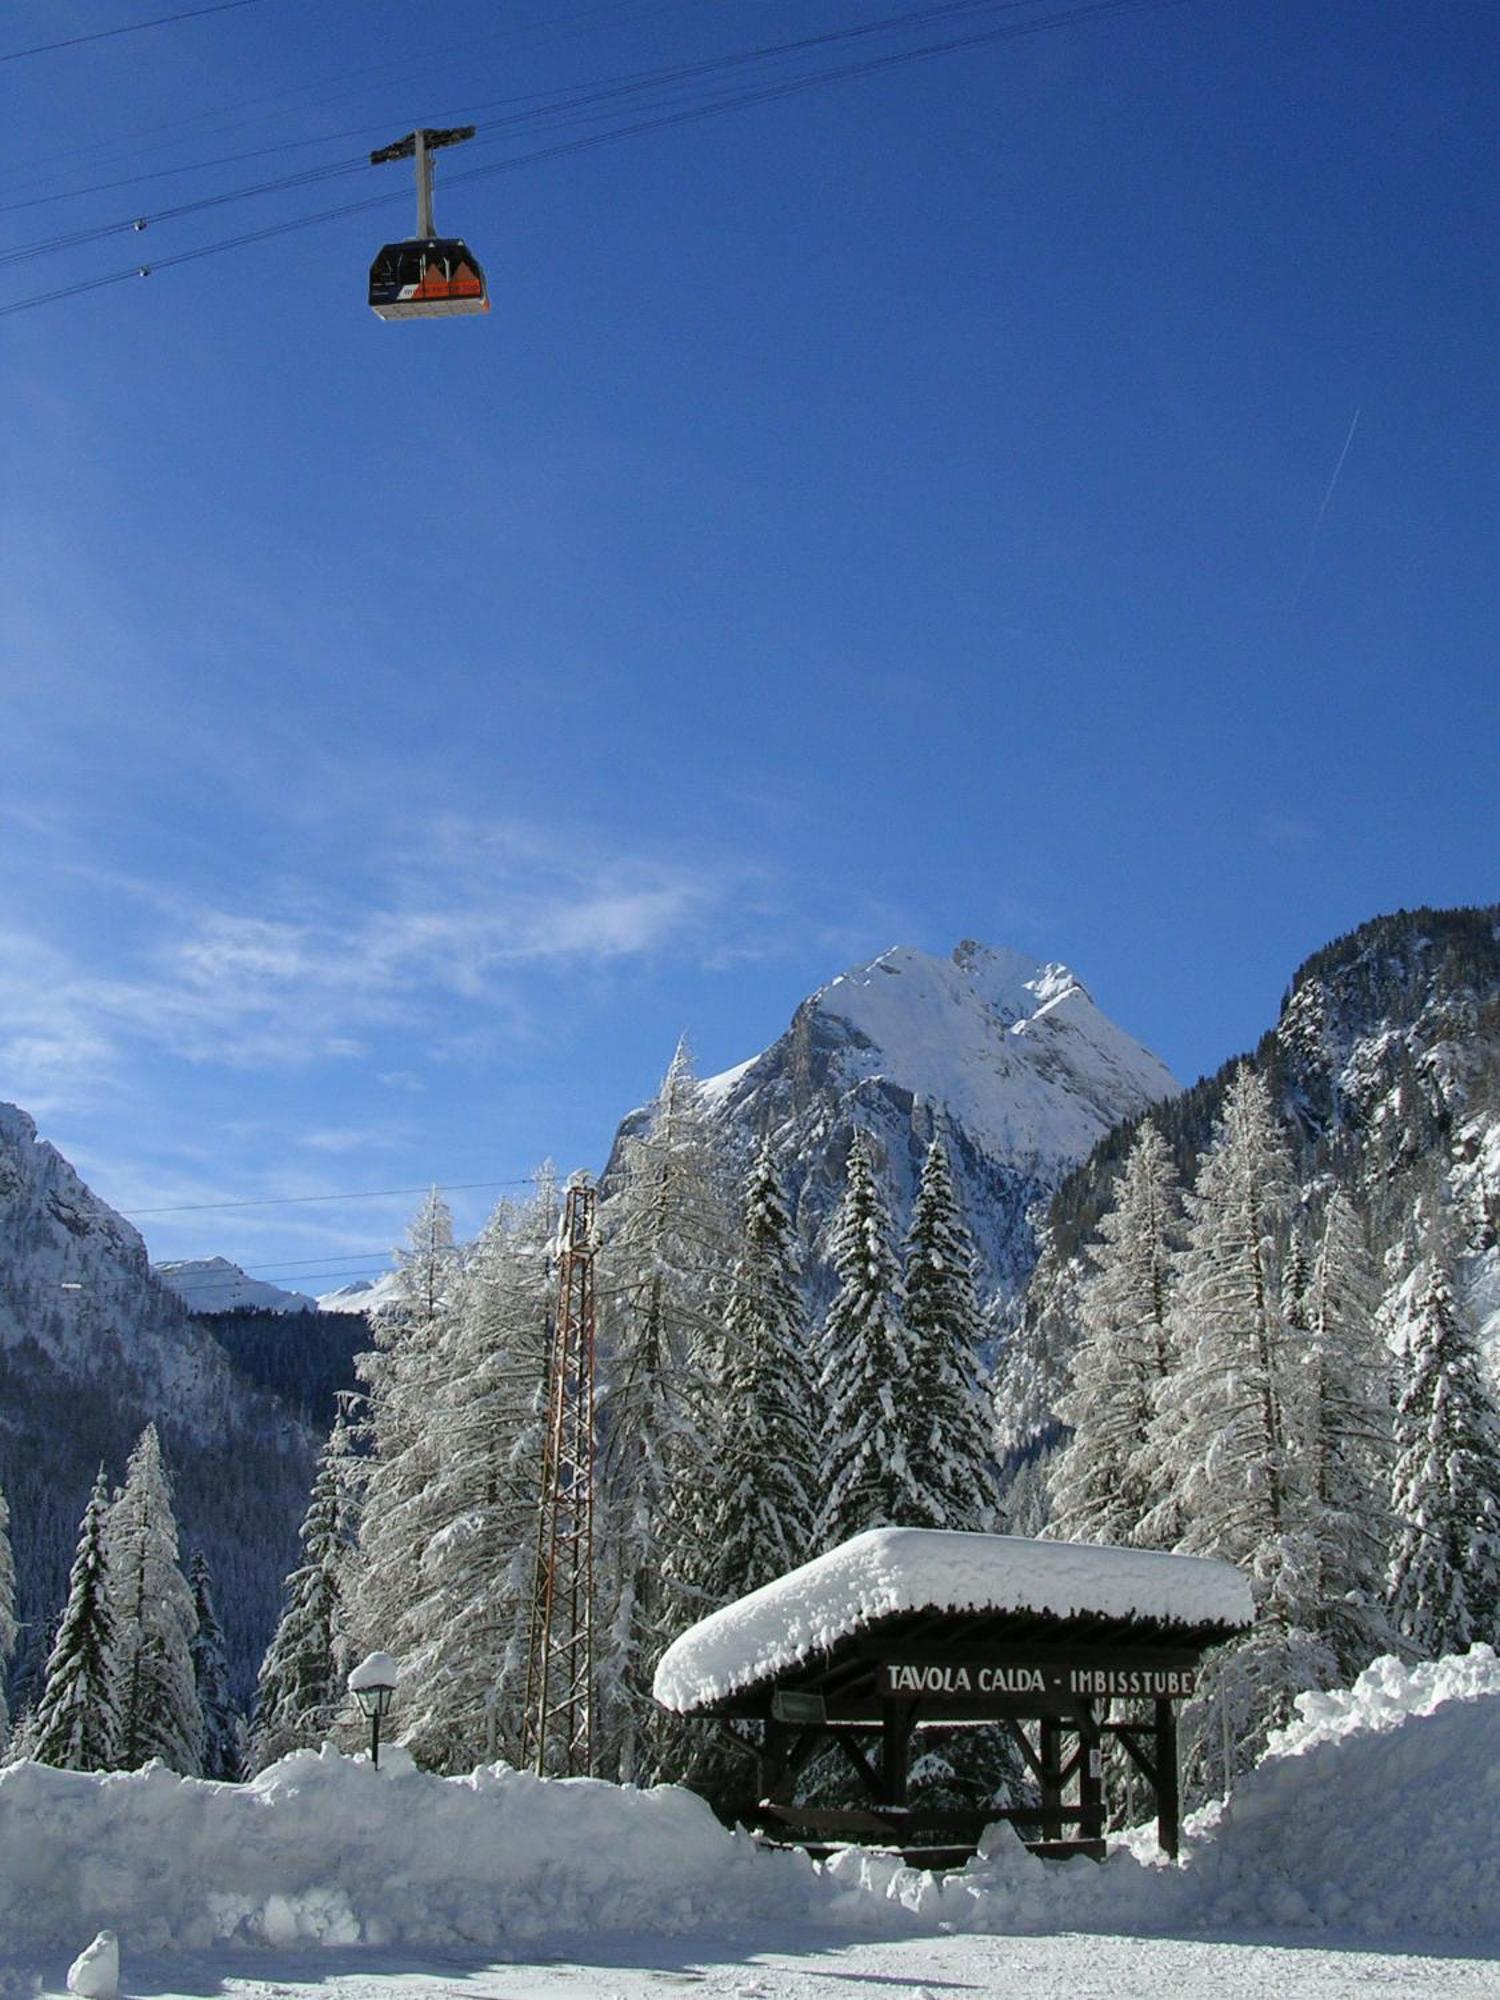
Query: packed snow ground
point(796, 1964)
point(1374, 1822)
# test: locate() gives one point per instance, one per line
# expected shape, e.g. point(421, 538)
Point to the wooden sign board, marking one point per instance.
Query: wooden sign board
point(1047, 1685)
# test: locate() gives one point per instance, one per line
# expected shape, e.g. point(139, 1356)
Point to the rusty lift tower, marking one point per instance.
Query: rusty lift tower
point(559, 1725)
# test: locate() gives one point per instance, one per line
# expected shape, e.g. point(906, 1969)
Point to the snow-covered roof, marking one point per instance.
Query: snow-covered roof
point(886, 1572)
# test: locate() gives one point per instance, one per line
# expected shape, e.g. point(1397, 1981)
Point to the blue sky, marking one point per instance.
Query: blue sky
point(901, 511)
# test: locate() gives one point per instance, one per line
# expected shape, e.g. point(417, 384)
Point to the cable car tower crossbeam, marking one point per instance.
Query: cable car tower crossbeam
point(559, 1719)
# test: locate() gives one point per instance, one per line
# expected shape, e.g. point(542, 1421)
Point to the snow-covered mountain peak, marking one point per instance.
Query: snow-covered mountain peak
point(215, 1285)
point(1015, 1051)
point(363, 1295)
point(1008, 1055)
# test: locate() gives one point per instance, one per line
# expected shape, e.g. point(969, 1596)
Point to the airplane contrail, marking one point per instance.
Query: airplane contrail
point(1323, 504)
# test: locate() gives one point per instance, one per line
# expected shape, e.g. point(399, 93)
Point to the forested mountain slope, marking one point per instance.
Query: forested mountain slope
point(1385, 1066)
point(92, 1347)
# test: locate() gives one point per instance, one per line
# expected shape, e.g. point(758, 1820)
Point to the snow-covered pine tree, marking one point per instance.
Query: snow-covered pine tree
point(1445, 1571)
point(152, 1610)
point(1346, 1421)
point(944, 1403)
point(864, 1358)
point(403, 1387)
point(463, 1684)
point(223, 1726)
point(1031, 1379)
point(301, 1687)
point(758, 1503)
point(947, 1412)
point(756, 1499)
point(1106, 1481)
point(8, 1625)
point(669, 1243)
point(1227, 1433)
point(76, 1724)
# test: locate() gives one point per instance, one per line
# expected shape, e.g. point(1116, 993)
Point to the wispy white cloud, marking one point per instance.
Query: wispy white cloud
point(457, 919)
point(337, 1139)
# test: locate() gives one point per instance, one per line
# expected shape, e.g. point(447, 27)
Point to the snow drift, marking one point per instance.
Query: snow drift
point(323, 1849)
point(1376, 1814)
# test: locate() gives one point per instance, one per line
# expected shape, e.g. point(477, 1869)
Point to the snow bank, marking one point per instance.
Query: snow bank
point(890, 1570)
point(325, 1850)
point(1376, 1814)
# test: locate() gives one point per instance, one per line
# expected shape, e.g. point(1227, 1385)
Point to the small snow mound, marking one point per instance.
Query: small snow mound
point(95, 1973)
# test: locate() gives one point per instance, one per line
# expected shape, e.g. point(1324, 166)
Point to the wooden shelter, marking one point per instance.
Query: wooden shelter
point(903, 1630)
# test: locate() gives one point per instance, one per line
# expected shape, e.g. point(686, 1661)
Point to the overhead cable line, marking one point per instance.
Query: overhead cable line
point(549, 105)
point(130, 28)
point(197, 1288)
point(295, 1200)
point(762, 94)
point(404, 68)
point(546, 107)
point(336, 1257)
point(73, 239)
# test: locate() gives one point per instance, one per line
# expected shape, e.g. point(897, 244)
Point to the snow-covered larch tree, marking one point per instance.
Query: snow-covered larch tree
point(668, 1246)
point(152, 1609)
point(402, 1379)
point(1106, 1479)
point(76, 1724)
point(1346, 1421)
point(943, 1399)
point(8, 1625)
point(1030, 1380)
point(223, 1726)
point(864, 1358)
point(301, 1687)
point(1227, 1432)
point(1445, 1570)
point(758, 1504)
point(463, 1682)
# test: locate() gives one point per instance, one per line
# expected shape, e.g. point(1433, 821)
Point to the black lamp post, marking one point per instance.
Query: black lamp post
point(373, 1685)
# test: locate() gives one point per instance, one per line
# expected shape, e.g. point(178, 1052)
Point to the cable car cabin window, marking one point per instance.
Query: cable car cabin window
point(435, 278)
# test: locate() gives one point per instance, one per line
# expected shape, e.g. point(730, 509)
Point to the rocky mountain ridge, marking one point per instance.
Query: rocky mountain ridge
point(92, 1346)
point(1009, 1058)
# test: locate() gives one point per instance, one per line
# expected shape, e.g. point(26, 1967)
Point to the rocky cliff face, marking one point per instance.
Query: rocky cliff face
point(92, 1346)
point(75, 1283)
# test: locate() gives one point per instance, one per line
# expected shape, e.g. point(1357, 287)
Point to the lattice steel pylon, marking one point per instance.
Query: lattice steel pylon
point(559, 1732)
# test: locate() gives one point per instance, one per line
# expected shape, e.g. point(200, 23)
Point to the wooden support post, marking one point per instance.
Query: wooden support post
point(775, 1746)
point(1051, 1775)
point(1090, 1774)
point(897, 1721)
point(1168, 1800)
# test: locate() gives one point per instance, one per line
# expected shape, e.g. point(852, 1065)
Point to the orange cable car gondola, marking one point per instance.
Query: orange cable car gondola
point(428, 276)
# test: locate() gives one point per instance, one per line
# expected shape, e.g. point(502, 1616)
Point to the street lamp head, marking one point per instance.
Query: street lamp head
point(373, 1683)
